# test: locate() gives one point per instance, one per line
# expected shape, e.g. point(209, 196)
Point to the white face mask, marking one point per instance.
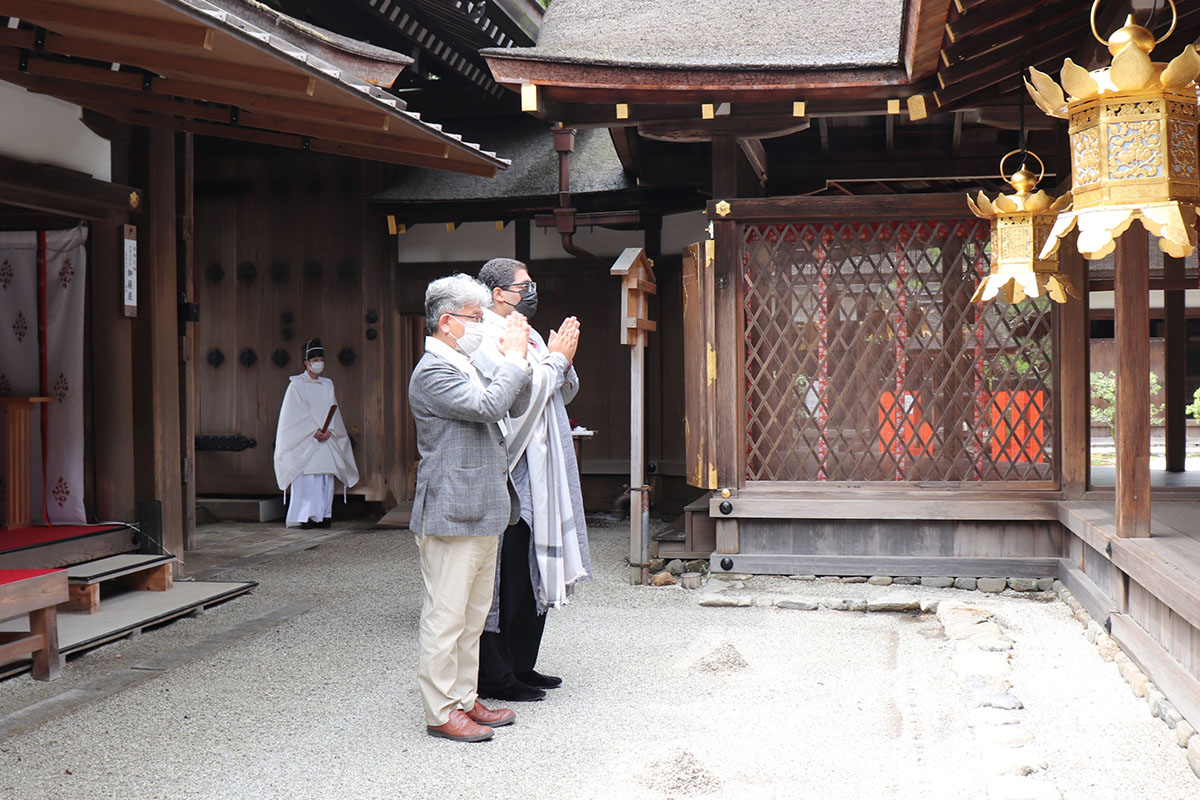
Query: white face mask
point(471, 339)
point(316, 367)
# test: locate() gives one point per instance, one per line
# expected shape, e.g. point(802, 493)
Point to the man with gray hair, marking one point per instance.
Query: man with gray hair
point(464, 498)
point(544, 554)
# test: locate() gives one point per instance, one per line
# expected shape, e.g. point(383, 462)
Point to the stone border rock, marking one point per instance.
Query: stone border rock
point(1139, 683)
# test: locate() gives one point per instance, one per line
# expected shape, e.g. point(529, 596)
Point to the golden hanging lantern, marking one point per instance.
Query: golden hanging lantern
point(1020, 224)
point(1133, 142)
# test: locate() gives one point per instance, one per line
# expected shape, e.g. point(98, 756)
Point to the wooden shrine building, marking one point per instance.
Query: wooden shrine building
point(849, 409)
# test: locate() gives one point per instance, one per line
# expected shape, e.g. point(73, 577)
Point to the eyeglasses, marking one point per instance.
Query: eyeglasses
point(468, 317)
point(521, 287)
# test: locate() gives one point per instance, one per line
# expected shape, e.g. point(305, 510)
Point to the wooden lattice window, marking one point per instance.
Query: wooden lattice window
point(866, 360)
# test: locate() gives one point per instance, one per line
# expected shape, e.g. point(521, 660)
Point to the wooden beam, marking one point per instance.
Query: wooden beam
point(1001, 59)
point(918, 206)
point(1132, 415)
point(926, 28)
point(171, 64)
point(62, 191)
point(297, 142)
point(932, 566)
point(990, 16)
point(1175, 362)
point(756, 154)
point(292, 106)
point(54, 14)
point(1016, 29)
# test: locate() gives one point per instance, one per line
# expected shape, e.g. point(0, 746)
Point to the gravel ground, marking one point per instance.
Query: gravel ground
point(663, 699)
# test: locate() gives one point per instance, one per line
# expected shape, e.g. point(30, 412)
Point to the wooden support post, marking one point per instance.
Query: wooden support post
point(84, 598)
point(725, 155)
point(1071, 366)
point(112, 390)
point(1132, 417)
point(47, 662)
point(1175, 363)
point(637, 282)
point(156, 342)
point(639, 501)
point(521, 231)
point(18, 459)
point(186, 274)
point(731, 385)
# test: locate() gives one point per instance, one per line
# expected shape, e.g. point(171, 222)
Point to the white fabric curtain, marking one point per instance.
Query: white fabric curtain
point(42, 292)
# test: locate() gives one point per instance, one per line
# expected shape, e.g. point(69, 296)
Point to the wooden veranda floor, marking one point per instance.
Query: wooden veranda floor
point(1145, 591)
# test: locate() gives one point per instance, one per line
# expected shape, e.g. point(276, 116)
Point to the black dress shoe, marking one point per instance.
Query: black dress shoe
point(325, 523)
point(307, 525)
point(515, 692)
point(539, 681)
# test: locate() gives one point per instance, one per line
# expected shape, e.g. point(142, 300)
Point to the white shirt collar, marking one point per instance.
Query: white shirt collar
point(451, 354)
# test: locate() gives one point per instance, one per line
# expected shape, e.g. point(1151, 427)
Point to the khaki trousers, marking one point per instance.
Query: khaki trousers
point(459, 573)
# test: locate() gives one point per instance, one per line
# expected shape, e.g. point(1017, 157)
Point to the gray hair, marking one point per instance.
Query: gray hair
point(500, 272)
point(451, 295)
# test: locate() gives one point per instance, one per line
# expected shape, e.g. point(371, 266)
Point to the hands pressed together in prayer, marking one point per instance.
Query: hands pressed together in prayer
point(566, 339)
point(515, 340)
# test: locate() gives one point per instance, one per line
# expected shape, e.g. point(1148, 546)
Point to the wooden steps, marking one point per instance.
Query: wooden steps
point(695, 538)
point(127, 615)
point(126, 572)
point(242, 509)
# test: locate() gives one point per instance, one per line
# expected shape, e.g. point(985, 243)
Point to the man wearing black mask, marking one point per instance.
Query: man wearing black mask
point(545, 553)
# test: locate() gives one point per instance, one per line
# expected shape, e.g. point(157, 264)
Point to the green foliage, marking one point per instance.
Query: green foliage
point(1104, 390)
point(1194, 408)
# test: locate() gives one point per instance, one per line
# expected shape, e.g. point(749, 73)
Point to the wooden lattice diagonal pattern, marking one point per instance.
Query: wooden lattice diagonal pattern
point(866, 360)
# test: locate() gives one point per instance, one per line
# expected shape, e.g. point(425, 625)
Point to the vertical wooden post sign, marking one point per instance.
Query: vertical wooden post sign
point(637, 283)
point(129, 292)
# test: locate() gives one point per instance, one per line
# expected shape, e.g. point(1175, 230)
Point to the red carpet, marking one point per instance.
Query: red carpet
point(20, 538)
point(14, 575)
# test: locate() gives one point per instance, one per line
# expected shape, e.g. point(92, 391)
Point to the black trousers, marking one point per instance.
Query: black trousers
point(514, 650)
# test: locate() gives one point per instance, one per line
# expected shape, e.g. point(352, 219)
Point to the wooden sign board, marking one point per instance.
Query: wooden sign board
point(129, 290)
point(636, 271)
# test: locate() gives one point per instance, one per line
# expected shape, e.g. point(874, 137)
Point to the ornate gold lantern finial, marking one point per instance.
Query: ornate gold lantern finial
point(1020, 224)
point(1133, 142)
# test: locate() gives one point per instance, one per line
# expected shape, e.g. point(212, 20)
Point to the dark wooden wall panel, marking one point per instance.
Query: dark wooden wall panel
point(286, 214)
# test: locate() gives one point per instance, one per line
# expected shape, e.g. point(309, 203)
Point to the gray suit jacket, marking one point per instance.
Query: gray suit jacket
point(463, 485)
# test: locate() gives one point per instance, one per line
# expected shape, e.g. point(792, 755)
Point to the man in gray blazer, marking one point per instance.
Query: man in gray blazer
point(464, 497)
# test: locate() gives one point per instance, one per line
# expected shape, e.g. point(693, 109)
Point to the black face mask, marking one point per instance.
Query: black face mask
point(528, 304)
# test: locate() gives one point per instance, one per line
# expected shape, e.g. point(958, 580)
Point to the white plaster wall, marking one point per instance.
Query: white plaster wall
point(479, 241)
point(1105, 300)
point(45, 130)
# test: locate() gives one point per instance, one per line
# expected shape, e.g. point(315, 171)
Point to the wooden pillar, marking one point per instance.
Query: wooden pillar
point(112, 359)
point(725, 156)
point(186, 275)
point(1132, 418)
point(156, 340)
point(1175, 364)
point(1072, 336)
point(730, 407)
point(521, 231)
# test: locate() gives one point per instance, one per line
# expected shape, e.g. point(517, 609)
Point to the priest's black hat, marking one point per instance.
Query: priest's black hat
point(313, 349)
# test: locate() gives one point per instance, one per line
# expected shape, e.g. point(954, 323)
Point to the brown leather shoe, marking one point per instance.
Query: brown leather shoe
point(461, 728)
point(496, 719)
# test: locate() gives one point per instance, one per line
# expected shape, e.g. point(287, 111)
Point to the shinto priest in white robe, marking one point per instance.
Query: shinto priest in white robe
point(299, 455)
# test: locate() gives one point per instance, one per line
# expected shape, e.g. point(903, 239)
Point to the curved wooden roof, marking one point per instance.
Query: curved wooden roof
point(197, 66)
